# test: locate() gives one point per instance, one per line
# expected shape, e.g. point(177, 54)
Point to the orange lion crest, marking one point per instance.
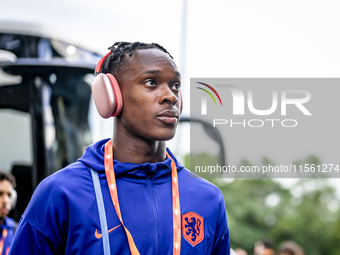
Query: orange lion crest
point(193, 228)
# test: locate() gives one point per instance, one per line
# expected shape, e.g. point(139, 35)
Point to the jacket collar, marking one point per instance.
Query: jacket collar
point(94, 157)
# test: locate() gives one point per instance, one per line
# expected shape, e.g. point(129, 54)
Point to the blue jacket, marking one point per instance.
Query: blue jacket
point(9, 224)
point(62, 216)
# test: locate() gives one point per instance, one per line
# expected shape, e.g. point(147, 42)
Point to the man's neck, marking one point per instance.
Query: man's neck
point(138, 151)
point(2, 221)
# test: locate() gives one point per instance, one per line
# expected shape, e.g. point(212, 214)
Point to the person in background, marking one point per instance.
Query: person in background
point(7, 197)
point(290, 248)
point(264, 247)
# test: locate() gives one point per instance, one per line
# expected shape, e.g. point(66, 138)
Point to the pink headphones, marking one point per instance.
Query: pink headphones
point(106, 92)
point(107, 95)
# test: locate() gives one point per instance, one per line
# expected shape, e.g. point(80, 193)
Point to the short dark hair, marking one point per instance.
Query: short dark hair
point(266, 242)
point(286, 251)
point(9, 177)
point(291, 248)
point(112, 63)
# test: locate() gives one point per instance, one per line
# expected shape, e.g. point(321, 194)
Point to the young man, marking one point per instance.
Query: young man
point(7, 225)
point(145, 202)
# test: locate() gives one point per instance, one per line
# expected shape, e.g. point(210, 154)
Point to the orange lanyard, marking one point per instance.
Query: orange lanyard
point(111, 180)
point(2, 241)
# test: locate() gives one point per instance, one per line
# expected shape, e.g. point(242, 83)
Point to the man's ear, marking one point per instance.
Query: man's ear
point(180, 102)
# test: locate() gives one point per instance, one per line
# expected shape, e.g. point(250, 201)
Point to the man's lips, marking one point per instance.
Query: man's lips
point(168, 117)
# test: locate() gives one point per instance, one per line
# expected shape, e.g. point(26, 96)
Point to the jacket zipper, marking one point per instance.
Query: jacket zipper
point(153, 202)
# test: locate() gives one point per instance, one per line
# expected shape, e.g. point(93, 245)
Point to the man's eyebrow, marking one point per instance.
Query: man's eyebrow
point(152, 72)
point(158, 72)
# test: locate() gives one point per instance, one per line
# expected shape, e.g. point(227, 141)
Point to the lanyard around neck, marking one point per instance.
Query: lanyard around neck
point(2, 241)
point(176, 212)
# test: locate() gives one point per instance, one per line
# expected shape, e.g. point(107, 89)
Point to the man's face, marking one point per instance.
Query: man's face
point(6, 189)
point(149, 82)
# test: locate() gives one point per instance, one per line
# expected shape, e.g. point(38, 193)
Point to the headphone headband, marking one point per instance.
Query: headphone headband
point(100, 63)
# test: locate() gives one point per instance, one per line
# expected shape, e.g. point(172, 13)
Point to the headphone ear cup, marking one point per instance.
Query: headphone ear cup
point(107, 95)
point(118, 95)
point(14, 198)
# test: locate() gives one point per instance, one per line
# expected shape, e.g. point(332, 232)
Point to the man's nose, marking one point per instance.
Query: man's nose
point(168, 95)
point(4, 199)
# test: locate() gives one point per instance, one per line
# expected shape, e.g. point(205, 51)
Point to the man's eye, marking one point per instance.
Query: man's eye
point(150, 83)
point(177, 86)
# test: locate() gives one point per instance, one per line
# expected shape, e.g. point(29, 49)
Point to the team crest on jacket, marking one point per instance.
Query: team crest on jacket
point(193, 228)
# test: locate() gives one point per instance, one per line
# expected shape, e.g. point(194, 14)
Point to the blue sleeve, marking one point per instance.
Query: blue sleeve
point(221, 241)
point(43, 225)
point(29, 240)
